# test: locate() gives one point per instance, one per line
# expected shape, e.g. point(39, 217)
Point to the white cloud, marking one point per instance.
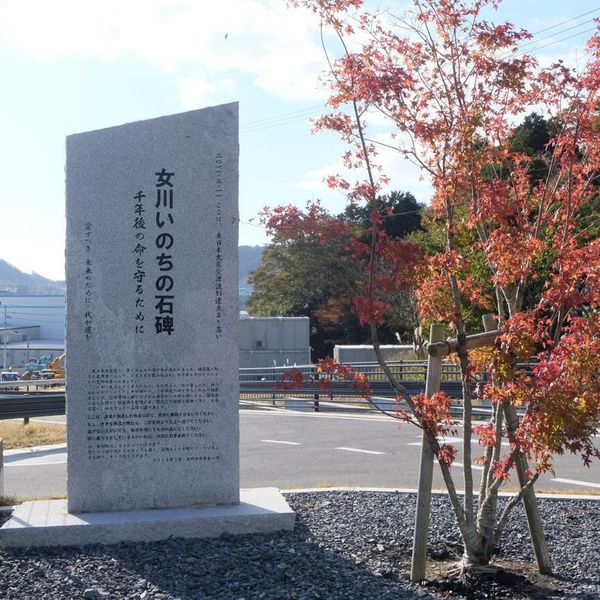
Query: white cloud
point(274, 45)
point(404, 176)
point(195, 91)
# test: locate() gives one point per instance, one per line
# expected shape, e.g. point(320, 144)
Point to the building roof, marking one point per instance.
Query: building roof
point(37, 345)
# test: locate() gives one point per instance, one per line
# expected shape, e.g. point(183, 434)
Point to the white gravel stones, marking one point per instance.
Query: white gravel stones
point(335, 552)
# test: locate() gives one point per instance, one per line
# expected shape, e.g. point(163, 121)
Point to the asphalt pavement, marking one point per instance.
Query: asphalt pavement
point(295, 450)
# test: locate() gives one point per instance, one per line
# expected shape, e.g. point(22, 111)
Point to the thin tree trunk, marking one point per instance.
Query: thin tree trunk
point(463, 356)
point(534, 520)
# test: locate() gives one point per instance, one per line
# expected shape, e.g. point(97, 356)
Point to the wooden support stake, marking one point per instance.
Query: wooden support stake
point(534, 520)
point(478, 340)
point(432, 385)
point(1, 467)
point(490, 322)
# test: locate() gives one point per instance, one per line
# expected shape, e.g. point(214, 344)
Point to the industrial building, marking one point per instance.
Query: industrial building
point(32, 326)
point(274, 341)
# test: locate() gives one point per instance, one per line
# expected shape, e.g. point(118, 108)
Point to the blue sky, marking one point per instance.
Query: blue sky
point(76, 65)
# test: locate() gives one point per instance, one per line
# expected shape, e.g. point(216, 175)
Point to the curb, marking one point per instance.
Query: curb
point(591, 497)
point(32, 449)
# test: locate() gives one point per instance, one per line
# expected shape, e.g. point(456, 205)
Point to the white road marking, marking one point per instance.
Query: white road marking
point(453, 441)
point(281, 442)
point(36, 464)
point(575, 482)
point(33, 449)
point(474, 467)
point(448, 440)
point(359, 450)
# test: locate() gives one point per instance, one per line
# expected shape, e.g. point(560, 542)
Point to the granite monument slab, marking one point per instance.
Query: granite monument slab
point(152, 313)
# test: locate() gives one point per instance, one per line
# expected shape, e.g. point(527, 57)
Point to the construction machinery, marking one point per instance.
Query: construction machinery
point(57, 366)
point(39, 364)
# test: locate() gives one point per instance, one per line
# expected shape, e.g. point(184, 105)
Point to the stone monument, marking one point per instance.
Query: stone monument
point(152, 313)
point(152, 337)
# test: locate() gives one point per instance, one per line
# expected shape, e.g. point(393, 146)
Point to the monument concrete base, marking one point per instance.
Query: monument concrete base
point(47, 522)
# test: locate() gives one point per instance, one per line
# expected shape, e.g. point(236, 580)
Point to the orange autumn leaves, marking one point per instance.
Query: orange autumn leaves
point(452, 93)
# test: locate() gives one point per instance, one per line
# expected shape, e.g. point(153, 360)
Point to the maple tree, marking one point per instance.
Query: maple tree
point(452, 86)
point(315, 275)
point(298, 277)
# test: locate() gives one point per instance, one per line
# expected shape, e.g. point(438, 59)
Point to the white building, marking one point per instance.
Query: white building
point(31, 326)
point(365, 353)
point(274, 341)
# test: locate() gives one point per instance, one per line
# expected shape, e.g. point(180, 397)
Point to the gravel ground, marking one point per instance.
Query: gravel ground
point(346, 545)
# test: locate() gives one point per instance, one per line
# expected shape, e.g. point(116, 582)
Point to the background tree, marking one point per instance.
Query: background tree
point(400, 214)
point(451, 85)
point(432, 240)
point(317, 275)
point(311, 277)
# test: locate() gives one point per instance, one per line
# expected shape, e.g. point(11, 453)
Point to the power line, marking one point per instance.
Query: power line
point(589, 12)
point(301, 114)
point(276, 124)
point(280, 124)
point(251, 224)
point(281, 121)
point(548, 37)
point(282, 116)
point(34, 314)
point(558, 41)
point(34, 306)
point(32, 322)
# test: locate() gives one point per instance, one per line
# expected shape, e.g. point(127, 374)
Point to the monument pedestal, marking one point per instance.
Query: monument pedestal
point(47, 522)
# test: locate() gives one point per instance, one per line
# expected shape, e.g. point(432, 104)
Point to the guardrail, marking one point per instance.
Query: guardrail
point(343, 389)
point(406, 370)
point(261, 385)
point(35, 383)
point(22, 405)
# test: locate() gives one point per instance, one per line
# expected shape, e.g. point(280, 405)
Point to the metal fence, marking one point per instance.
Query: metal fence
point(407, 370)
point(261, 386)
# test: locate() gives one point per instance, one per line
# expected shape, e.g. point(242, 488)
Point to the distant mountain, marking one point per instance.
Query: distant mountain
point(13, 281)
point(250, 258)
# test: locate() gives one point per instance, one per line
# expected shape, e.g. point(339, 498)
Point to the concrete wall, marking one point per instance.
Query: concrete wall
point(365, 353)
point(274, 341)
